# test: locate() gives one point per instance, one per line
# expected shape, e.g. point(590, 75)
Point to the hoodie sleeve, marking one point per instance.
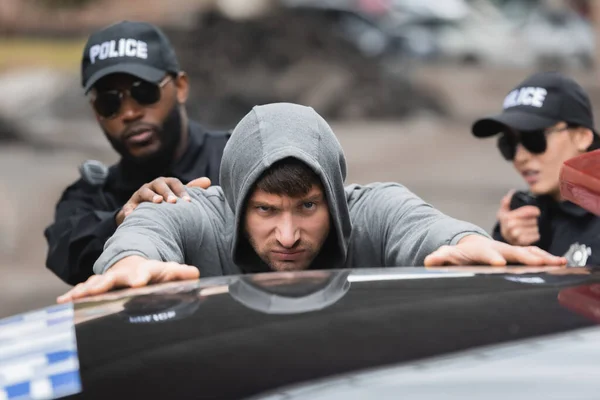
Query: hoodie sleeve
point(409, 228)
point(155, 232)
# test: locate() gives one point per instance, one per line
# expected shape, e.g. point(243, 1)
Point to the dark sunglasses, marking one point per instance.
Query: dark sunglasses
point(534, 141)
point(108, 103)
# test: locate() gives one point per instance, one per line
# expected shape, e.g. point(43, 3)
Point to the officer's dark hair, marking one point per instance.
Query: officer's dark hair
point(290, 177)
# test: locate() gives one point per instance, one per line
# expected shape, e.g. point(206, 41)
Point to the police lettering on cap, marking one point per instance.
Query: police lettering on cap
point(539, 102)
point(122, 48)
point(135, 48)
point(527, 96)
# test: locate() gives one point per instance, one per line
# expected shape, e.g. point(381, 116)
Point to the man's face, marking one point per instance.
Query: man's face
point(141, 131)
point(541, 171)
point(287, 233)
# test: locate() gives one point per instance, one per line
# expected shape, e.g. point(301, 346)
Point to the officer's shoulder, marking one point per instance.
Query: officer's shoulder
point(210, 133)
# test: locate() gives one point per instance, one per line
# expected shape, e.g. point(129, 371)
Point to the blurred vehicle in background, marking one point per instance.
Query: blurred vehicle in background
point(351, 58)
point(337, 59)
point(484, 32)
point(354, 58)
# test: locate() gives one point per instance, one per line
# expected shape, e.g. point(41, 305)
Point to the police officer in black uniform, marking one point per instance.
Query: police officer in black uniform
point(547, 119)
point(138, 92)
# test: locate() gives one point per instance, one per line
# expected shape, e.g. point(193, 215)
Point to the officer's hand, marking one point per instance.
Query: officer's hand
point(480, 250)
point(159, 190)
point(518, 227)
point(132, 271)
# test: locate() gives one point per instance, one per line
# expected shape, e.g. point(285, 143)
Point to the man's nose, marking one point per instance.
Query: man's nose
point(131, 110)
point(288, 232)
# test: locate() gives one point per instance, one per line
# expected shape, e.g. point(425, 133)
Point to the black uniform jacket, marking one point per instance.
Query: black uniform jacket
point(563, 224)
point(85, 214)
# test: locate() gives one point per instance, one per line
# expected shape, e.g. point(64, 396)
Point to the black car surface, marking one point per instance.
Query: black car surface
point(368, 333)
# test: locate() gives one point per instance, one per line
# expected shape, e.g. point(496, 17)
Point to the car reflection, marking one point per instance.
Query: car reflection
point(290, 293)
point(156, 308)
point(270, 293)
point(583, 300)
point(294, 293)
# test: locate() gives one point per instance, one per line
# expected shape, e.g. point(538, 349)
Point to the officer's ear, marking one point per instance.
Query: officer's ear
point(182, 86)
point(582, 137)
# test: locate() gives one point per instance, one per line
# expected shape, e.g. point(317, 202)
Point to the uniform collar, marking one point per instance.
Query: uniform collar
point(183, 168)
point(573, 209)
point(566, 207)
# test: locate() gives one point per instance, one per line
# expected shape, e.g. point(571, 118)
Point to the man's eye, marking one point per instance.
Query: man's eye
point(263, 208)
point(309, 205)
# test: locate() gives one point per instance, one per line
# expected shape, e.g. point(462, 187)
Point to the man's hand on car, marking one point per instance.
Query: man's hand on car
point(480, 250)
point(159, 190)
point(132, 271)
point(518, 227)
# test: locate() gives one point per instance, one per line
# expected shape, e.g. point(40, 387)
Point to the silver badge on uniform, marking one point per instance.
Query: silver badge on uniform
point(577, 255)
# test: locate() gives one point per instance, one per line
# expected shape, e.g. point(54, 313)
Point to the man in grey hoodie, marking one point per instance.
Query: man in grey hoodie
point(283, 206)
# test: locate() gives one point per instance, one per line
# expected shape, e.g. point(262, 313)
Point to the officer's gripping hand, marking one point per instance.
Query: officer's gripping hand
point(159, 190)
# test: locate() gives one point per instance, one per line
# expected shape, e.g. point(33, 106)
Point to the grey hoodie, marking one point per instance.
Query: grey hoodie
point(380, 224)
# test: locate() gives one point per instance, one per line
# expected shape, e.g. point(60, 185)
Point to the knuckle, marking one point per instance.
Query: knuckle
point(445, 249)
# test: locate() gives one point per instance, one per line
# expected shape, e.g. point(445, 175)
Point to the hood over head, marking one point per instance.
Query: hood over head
point(271, 133)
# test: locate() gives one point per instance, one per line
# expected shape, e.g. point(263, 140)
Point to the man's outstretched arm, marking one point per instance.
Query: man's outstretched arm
point(83, 224)
point(148, 247)
point(415, 233)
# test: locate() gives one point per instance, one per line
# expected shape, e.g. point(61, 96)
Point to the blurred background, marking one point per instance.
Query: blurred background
point(401, 82)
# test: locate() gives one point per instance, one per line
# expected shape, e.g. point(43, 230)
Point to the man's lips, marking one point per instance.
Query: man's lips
point(139, 136)
point(288, 254)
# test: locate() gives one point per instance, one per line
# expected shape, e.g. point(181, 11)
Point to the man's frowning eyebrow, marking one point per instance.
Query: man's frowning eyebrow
point(315, 198)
